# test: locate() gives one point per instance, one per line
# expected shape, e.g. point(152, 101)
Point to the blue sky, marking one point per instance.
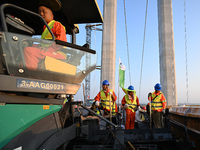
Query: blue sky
point(135, 22)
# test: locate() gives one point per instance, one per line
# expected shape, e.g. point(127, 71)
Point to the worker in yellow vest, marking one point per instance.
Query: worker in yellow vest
point(33, 55)
point(103, 99)
point(131, 103)
point(158, 105)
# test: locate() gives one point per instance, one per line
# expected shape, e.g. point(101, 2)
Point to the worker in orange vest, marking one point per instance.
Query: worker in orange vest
point(158, 105)
point(131, 102)
point(33, 55)
point(103, 99)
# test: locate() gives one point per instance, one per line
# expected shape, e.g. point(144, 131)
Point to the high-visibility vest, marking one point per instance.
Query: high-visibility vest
point(130, 103)
point(105, 101)
point(46, 34)
point(156, 103)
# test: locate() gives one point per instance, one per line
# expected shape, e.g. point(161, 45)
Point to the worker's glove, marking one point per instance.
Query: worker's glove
point(163, 111)
point(142, 109)
point(139, 108)
point(97, 103)
point(126, 105)
point(111, 93)
point(135, 109)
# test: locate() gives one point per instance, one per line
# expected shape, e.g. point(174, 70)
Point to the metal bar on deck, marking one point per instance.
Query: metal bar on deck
point(104, 119)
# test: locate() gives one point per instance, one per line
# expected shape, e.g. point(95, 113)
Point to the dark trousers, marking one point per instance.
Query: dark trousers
point(158, 119)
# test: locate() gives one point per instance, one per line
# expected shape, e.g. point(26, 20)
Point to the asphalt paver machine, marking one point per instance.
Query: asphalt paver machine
point(32, 114)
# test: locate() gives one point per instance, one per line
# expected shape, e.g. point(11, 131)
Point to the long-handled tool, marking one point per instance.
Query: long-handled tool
point(150, 112)
point(110, 107)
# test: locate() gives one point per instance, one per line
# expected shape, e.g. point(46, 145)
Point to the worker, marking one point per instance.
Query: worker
point(102, 100)
point(149, 111)
point(131, 103)
point(95, 109)
point(33, 55)
point(140, 118)
point(148, 105)
point(158, 105)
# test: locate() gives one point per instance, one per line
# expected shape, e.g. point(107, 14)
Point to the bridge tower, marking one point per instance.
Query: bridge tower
point(166, 51)
point(108, 56)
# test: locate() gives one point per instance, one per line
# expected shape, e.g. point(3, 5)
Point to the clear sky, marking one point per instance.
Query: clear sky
point(151, 74)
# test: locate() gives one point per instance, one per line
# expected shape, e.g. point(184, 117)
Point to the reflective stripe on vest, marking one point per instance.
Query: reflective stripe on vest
point(105, 101)
point(46, 34)
point(132, 104)
point(156, 103)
